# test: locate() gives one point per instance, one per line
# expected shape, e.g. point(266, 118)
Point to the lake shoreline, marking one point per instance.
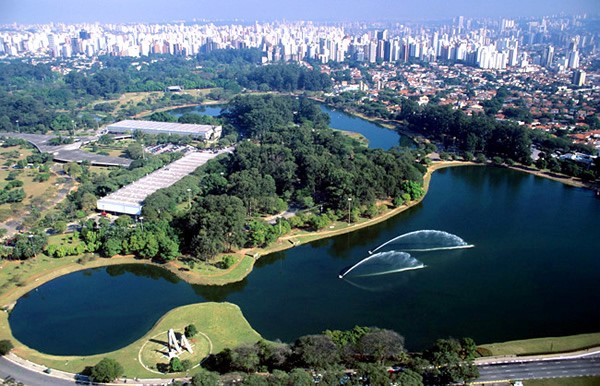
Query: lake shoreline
point(9, 298)
point(99, 262)
point(247, 256)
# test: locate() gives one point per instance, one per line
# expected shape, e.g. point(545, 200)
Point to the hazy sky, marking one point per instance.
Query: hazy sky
point(120, 11)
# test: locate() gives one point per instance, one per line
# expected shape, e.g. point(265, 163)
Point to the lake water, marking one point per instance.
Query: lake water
point(378, 136)
point(210, 110)
point(532, 272)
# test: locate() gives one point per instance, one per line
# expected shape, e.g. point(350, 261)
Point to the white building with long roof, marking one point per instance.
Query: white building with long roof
point(203, 132)
point(130, 199)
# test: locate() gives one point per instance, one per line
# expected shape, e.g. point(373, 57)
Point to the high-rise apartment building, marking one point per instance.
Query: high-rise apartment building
point(579, 78)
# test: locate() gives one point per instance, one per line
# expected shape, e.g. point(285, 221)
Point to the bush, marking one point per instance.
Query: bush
point(190, 331)
point(5, 347)
point(175, 365)
point(228, 261)
point(107, 370)
point(398, 201)
point(186, 364)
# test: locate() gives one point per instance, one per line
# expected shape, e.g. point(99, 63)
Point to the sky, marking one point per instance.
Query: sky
point(152, 11)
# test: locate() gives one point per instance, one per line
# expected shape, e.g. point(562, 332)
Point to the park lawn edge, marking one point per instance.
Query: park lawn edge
point(237, 272)
point(571, 381)
point(223, 323)
point(546, 345)
point(242, 267)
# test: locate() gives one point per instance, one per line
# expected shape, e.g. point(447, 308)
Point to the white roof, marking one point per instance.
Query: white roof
point(136, 192)
point(160, 126)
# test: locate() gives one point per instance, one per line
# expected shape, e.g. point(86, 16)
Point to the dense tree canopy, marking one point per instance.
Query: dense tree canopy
point(324, 359)
point(107, 370)
point(290, 158)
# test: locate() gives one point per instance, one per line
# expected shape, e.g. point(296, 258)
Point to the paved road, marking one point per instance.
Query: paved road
point(27, 376)
point(540, 369)
point(31, 374)
point(537, 369)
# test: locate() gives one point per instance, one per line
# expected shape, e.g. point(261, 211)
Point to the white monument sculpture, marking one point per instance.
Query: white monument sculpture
point(174, 346)
point(184, 342)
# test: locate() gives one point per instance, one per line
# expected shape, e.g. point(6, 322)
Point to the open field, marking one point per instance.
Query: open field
point(220, 325)
point(136, 97)
point(38, 193)
point(357, 136)
point(544, 345)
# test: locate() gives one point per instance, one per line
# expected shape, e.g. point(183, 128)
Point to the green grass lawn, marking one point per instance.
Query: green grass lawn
point(544, 345)
point(203, 273)
point(222, 323)
point(578, 381)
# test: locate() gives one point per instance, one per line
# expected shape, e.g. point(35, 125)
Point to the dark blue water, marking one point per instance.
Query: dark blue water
point(532, 273)
point(210, 110)
point(378, 136)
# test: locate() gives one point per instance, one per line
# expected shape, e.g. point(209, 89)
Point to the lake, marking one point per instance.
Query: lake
point(378, 136)
point(531, 273)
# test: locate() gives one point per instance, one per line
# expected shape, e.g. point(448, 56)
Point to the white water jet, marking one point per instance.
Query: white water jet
point(392, 271)
point(385, 263)
point(426, 240)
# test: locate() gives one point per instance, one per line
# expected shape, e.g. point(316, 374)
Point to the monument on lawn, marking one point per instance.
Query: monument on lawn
point(175, 347)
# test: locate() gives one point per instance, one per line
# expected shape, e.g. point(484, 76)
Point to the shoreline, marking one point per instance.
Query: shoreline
point(247, 256)
point(11, 296)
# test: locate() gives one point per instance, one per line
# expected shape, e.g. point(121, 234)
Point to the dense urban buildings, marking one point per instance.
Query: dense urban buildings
point(551, 42)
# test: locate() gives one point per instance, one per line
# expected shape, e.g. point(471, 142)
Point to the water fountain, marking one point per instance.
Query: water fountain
point(398, 260)
point(425, 241)
point(383, 263)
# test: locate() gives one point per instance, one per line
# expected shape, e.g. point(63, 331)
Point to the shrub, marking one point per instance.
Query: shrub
point(190, 331)
point(5, 347)
point(228, 261)
point(175, 365)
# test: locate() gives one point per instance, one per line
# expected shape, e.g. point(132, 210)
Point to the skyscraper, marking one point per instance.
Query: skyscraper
point(574, 59)
point(579, 78)
point(548, 56)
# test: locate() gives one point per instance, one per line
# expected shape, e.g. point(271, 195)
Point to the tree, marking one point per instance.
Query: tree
point(255, 380)
point(409, 377)
point(451, 362)
point(245, 358)
point(190, 330)
point(300, 377)
point(278, 378)
point(316, 351)
point(343, 338)
point(135, 151)
point(107, 370)
point(215, 225)
point(372, 374)
point(205, 378)
point(60, 226)
point(5, 346)
point(273, 355)
point(73, 169)
point(378, 345)
point(175, 365)
point(228, 261)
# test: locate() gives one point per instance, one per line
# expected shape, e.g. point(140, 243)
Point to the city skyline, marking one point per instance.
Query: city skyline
point(155, 11)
